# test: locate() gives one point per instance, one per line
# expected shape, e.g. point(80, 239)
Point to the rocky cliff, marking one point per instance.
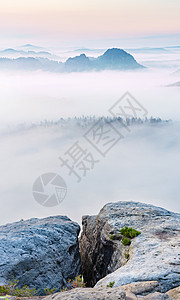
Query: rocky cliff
point(153, 255)
point(40, 252)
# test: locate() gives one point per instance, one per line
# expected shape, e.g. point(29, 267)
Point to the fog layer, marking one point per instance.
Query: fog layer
point(141, 167)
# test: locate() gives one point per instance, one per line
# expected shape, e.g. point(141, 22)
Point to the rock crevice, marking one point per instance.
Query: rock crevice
point(153, 255)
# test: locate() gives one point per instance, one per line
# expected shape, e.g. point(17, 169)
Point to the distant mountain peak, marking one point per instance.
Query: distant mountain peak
point(116, 58)
point(30, 45)
point(114, 51)
point(81, 56)
point(9, 50)
point(77, 63)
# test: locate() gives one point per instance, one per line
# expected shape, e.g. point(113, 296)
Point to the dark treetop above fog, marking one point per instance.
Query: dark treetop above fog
point(112, 59)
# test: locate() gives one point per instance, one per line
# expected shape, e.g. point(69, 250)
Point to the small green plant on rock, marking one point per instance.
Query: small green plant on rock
point(12, 289)
point(64, 289)
point(129, 232)
point(126, 241)
point(111, 284)
point(48, 291)
point(3, 290)
point(77, 282)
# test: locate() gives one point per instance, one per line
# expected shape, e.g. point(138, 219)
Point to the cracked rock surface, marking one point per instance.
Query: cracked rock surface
point(40, 252)
point(154, 255)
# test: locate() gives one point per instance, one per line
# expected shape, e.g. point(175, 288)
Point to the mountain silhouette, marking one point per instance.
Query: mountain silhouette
point(112, 59)
point(117, 59)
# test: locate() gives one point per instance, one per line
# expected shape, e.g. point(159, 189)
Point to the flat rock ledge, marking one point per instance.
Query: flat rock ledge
point(40, 252)
point(152, 256)
point(90, 294)
point(142, 288)
point(135, 291)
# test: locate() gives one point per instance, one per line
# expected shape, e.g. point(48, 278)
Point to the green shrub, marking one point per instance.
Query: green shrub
point(77, 282)
point(126, 241)
point(3, 290)
point(48, 291)
point(64, 289)
point(129, 232)
point(12, 289)
point(111, 284)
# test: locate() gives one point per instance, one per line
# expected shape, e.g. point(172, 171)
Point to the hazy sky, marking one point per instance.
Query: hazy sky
point(91, 19)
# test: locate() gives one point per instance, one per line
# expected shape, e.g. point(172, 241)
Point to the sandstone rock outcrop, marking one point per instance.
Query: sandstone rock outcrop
point(156, 296)
point(40, 252)
point(152, 256)
point(142, 288)
point(175, 293)
point(90, 294)
point(103, 293)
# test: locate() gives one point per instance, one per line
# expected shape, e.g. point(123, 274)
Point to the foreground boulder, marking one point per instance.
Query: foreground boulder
point(105, 294)
point(40, 252)
point(154, 255)
point(90, 294)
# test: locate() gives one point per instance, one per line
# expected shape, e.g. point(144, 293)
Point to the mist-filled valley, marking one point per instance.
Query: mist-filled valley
point(143, 166)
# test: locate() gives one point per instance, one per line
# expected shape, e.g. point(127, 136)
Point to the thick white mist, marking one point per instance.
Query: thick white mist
point(142, 167)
